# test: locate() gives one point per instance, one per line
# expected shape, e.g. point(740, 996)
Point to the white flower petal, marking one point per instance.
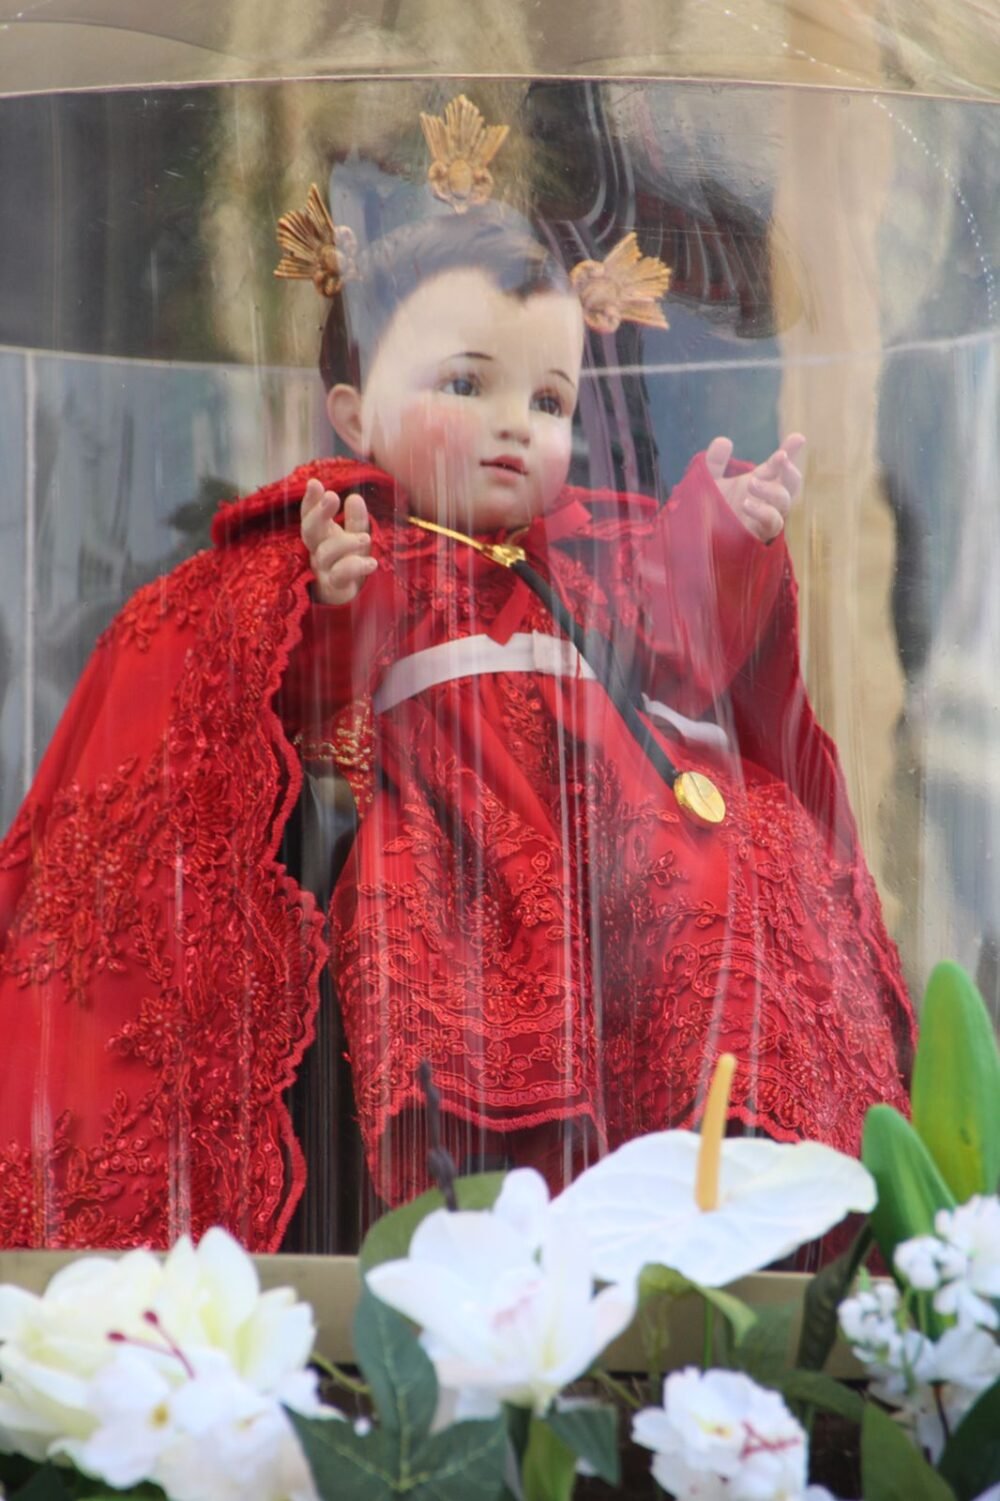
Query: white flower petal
point(523, 1204)
point(639, 1207)
point(276, 1339)
point(474, 1245)
point(436, 1300)
point(210, 1317)
point(18, 1311)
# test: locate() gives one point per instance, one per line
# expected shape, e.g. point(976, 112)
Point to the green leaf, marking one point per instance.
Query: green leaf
point(389, 1238)
point(910, 1188)
point(816, 1389)
point(399, 1457)
point(892, 1469)
point(518, 1428)
point(48, 1483)
point(956, 1084)
point(590, 1430)
point(762, 1350)
point(662, 1281)
point(971, 1459)
point(824, 1294)
point(549, 1469)
point(464, 1463)
point(401, 1377)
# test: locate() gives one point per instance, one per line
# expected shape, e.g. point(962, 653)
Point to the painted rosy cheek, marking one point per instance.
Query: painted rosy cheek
point(455, 425)
point(556, 456)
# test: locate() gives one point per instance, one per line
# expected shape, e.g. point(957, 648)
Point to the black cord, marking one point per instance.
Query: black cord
point(599, 654)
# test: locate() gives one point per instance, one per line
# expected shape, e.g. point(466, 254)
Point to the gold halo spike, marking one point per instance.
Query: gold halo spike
point(315, 249)
point(699, 799)
point(626, 287)
point(461, 145)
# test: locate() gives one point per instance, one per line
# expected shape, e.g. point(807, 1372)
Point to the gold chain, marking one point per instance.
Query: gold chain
point(504, 553)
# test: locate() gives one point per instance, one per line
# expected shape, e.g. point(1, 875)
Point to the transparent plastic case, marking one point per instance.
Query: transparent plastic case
point(280, 837)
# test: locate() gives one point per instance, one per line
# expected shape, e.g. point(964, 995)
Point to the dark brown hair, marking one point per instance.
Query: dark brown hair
point(490, 239)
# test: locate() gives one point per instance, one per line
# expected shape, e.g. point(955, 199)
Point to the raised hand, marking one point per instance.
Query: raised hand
point(762, 498)
point(339, 550)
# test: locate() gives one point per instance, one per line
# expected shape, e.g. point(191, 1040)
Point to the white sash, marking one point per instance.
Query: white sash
point(473, 656)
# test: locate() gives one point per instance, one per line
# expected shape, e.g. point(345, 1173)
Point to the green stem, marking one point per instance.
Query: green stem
point(340, 1376)
point(708, 1346)
point(654, 1339)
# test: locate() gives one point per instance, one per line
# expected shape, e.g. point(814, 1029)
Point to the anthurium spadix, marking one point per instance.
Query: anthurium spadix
point(708, 1206)
point(956, 1084)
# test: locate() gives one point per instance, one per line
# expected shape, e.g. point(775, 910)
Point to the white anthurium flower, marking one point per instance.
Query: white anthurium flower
point(720, 1437)
point(711, 1208)
point(176, 1314)
point(500, 1323)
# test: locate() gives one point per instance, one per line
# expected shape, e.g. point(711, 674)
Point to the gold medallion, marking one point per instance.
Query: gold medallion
point(699, 799)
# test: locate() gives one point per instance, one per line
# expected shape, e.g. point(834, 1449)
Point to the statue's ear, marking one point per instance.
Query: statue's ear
point(343, 406)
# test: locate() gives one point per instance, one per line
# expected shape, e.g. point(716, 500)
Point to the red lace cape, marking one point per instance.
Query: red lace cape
point(159, 973)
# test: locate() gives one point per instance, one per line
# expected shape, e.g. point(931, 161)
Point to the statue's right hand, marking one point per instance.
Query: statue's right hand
point(339, 543)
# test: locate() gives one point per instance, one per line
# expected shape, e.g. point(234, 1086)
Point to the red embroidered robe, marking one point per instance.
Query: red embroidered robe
point(523, 905)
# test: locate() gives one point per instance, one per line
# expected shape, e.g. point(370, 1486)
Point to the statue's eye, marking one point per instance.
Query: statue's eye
point(548, 401)
point(461, 385)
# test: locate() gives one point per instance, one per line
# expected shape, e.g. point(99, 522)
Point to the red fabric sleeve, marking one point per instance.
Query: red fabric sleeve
point(334, 663)
point(706, 589)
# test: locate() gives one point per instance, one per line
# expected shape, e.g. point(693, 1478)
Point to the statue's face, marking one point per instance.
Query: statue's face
point(469, 401)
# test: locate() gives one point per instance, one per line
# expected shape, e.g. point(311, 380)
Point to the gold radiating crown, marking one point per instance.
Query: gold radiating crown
point(462, 146)
point(315, 248)
point(626, 287)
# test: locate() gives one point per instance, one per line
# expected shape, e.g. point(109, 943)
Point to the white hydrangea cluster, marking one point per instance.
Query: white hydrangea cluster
point(960, 1265)
point(934, 1382)
point(871, 1322)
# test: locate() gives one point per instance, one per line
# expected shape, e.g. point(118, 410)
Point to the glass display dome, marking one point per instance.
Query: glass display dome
point(480, 865)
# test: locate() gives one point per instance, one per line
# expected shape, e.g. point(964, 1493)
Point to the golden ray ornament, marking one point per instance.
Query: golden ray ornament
point(315, 248)
point(461, 145)
point(624, 288)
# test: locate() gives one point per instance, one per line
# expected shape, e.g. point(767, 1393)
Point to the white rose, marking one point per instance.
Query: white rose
point(176, 1314)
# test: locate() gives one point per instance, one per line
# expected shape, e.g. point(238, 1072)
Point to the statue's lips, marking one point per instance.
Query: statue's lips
point(506, 464)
